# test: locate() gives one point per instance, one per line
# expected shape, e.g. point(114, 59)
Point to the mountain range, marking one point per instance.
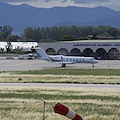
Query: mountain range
point(21, 16)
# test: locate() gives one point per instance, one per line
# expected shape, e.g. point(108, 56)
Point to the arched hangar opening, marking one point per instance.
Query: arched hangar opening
point(75, 52)
point(101, 54)
point(50, 51)
point(88, 52)
point(62, 51)
point(113, 54)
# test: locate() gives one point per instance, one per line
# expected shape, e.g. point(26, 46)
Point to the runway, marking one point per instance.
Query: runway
point(56, 85)
point(25, 65)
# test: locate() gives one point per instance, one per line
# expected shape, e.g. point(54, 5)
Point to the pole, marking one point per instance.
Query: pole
point(44, 112)
point(44, 106)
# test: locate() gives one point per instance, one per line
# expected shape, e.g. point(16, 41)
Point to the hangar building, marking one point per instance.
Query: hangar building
point(99, 49)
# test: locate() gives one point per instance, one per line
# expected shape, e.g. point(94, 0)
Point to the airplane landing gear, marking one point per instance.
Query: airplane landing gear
point(63, 65)
point(93, 65)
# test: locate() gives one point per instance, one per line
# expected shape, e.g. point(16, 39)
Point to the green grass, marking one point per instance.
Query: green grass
point(104, 72)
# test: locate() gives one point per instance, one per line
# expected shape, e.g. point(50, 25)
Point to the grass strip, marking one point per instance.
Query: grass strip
point(96, 72)
point(79, 79)
point(80, 76)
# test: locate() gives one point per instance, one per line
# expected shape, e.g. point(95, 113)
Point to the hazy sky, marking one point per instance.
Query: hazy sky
point(113, 4)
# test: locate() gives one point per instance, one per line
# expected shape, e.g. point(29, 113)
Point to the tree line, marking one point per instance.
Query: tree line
point(67, 33)
point(61, 33)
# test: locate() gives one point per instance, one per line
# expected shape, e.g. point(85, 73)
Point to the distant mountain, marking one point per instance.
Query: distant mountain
point(22, 16)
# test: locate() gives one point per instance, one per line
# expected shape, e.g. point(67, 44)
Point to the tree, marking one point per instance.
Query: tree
point(5, 31)
point(36, 35)
point(11, 38)
point(8, 47)
point(28, 34)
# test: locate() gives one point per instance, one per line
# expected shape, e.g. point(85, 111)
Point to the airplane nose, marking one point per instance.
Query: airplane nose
point(96, 61)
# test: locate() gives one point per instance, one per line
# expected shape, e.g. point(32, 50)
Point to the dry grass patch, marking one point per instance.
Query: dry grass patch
point(19, 103)
point(89, 79)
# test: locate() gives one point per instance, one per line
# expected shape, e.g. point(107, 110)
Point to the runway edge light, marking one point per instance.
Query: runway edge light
point(65, 111)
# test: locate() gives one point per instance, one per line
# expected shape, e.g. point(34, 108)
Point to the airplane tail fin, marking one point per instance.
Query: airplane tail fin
point(41, 53)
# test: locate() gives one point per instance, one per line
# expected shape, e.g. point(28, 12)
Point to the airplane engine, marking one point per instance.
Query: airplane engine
point(56, 58)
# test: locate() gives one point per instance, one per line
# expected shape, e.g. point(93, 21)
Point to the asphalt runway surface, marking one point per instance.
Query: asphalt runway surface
point(24, 65)
point(56, 85)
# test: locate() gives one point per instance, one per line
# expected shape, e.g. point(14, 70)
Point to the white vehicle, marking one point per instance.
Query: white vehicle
point(64, 59)
point(30, 56)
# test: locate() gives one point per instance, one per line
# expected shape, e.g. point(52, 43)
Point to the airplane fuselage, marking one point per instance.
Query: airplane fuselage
point(72, 59)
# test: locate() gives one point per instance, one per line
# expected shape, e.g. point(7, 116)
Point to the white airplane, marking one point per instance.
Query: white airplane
point(61, 59)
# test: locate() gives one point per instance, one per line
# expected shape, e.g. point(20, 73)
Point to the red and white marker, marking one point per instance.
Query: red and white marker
point(63, 110)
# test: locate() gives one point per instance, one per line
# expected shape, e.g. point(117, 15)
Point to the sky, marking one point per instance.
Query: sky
point(112, 4)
